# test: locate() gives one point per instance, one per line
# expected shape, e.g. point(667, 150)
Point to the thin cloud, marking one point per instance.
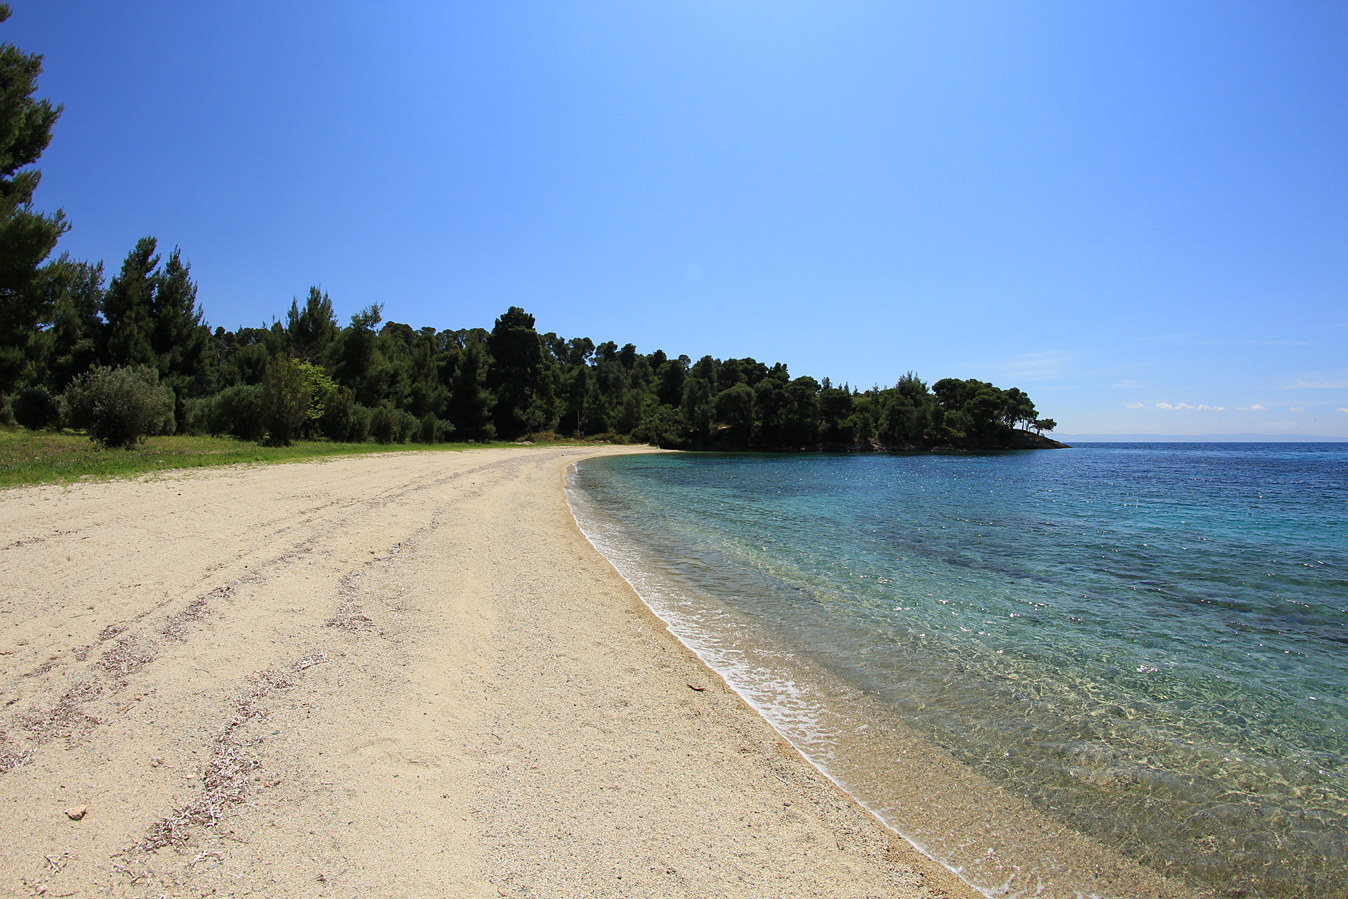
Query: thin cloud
point(1039, 366)
point(1254, 408)
point(1251, 343)
point(1298, 408)
point(1200, 340)
point(1203, 407)
point(1321, 380)
point(1135, 405)
point(1343, 410)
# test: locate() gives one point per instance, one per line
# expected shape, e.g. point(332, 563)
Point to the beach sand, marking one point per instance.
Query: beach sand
point(395, 675)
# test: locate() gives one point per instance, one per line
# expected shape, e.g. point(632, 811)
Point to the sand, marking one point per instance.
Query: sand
point(403, 675)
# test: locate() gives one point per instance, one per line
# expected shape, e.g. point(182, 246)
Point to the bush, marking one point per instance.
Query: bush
point(120, 406)
point(285, 400)
point(405, 424)
point(663, 428)
point(382, 427)
point(429, 428)
point(197, 416)
point(237, 411)
point(335, 422)
point(361, 418)
point(35, 408)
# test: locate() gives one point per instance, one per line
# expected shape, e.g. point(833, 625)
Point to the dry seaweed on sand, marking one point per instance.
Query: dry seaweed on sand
point(225, 780)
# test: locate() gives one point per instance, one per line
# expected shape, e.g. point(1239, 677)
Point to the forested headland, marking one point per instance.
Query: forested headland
point(307, 377)
point(130, 354)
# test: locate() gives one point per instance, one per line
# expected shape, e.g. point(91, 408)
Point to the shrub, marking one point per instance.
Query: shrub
point(382, 428)
point(405, 424)
point(35, 408)
point(429, 428)
point(120, 406)
point(334, 422)
point(197, 415)
point(237, 411)
point(664, 428)
point(361, 417)
point(285, 400)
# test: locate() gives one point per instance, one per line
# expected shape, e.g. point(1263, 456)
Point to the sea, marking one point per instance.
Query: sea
point(1114, 669)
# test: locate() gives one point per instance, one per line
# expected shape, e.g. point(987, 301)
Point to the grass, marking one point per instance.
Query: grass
point(45, 457)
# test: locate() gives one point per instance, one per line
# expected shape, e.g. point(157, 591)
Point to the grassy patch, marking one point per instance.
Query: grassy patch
point(42, 457)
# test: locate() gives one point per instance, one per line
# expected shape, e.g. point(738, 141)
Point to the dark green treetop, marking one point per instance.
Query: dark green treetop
point(311, 328)
point(27, 237)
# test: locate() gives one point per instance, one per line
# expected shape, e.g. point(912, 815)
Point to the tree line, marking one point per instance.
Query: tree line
point(308, 377)
point(131, 354)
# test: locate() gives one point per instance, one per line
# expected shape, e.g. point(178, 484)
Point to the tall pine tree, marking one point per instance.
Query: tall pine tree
point(27, 237)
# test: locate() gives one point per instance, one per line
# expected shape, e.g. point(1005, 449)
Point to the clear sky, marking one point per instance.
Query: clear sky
point(1137, 212)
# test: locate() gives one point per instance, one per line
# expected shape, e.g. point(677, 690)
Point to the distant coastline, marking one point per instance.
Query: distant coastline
point(1012, 440)
point(1199, 438)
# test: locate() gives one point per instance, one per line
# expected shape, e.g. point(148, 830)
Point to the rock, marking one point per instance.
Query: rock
point(76, 812)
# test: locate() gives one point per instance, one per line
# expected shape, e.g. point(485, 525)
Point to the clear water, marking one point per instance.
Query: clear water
point(1148, 643)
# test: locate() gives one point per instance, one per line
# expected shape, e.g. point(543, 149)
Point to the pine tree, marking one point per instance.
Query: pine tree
point(128, 308)
point(27, 237)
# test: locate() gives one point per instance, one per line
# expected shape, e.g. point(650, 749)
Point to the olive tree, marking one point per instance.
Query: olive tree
point(120, 406)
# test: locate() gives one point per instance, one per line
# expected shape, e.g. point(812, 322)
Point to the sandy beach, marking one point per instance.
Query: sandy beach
point(404, 675)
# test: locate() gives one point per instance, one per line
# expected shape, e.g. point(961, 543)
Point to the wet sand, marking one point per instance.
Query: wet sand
point(404, 675)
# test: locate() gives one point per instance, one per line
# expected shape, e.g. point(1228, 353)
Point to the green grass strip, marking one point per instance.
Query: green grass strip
point(44, 457)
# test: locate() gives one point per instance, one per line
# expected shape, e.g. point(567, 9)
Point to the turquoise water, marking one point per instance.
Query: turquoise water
point(1147, 643)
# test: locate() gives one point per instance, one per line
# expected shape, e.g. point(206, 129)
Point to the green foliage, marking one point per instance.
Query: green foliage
point(27, 237)
point(382, 426)
point(405, 425)
point(237, 411)
point(357, 355)
point(698, 408)
point(306, 378)
point(177, 335)
point(361, 417)
point(433, 430)
point(35, 408)
point(286, 393)
point(76, 332)
point(197, 416)
point(835, 411)
point(128, 307)
point(800, 413)
point(662, 426)
point(313, 329)
point(120, 406)
point(669, 378)
point(335, 420)
point(735, 409)
point(389, 425)
point(518, 376)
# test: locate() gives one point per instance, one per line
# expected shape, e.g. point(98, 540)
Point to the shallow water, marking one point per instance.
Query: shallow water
point(1148, 643)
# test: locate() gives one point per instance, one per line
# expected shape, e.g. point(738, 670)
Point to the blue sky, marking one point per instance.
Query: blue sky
point(1136, 212)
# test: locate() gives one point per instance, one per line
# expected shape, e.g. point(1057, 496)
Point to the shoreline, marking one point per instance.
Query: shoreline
point(989, 837)
point(398, 675)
